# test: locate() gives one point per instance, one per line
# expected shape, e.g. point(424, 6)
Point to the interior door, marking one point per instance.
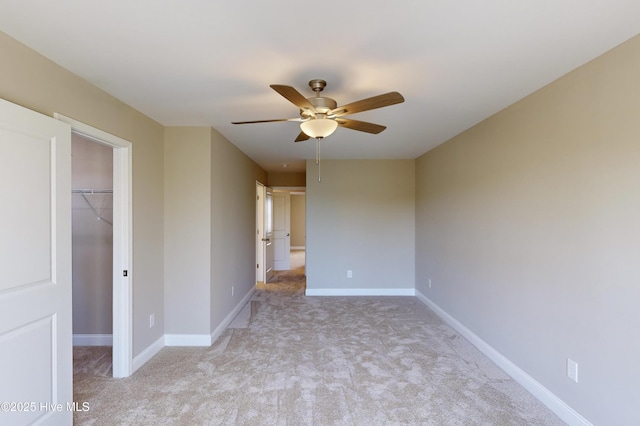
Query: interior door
point(268, 234)
point(260, 272)
point(35, 260)
point(282, 230)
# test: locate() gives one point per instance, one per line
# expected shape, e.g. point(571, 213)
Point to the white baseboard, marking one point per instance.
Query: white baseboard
point(297, 248)
point(544, 395)
point(92, 340)
point(187, 340)
point(184, 339)
point(360, 292)
point(147, 354)
point(227, 320)
point(207, 339)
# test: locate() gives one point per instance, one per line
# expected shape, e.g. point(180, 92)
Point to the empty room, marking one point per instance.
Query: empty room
point(354, 214)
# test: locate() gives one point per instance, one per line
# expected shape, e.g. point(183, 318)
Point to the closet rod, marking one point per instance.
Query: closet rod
point(92, 191)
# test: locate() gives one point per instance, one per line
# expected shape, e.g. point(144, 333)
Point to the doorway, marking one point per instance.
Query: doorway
point(92, 255)
point(264, 234)
point(122, 335)
point(283, 210)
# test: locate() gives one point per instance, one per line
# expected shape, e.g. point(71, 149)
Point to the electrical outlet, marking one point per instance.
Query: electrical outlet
point(233, 290)
point(429, 282)
point(152, 320)
point(349, 273)
point(572, 370)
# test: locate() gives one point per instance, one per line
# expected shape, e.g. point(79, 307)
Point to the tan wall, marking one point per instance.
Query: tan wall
point(298, 225)
point(187, 229)
point(209, 228)
point(527, 225)
point(361, 217)
point(276, 179)
point(30, 80)
point(233, 225)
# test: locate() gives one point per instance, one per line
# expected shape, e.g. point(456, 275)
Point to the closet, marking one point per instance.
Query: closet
point(92, 242)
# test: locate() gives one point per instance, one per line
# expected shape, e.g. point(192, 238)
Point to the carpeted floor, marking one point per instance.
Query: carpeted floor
point(300, 360)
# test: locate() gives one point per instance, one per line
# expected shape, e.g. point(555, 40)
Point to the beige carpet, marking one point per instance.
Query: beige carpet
point(317, 361)
point(92, 361)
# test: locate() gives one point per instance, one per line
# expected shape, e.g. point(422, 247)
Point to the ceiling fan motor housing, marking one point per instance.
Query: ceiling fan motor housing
point(321, 104)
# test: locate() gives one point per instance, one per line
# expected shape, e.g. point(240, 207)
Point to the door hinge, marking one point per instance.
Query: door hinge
point(125, 273)
point(257, 266)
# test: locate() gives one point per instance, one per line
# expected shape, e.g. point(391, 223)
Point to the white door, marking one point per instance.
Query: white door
point(268, 235)
point(282, 231)
point(35, 260)
point(260, 232)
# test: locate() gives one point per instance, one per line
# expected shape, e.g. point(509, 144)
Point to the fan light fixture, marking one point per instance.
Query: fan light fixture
point(319, 127)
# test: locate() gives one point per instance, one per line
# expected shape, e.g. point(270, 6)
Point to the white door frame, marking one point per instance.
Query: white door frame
point(122, 242)
point(260, 257)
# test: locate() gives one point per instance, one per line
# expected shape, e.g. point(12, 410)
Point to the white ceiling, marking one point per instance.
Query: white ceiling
point(208, 62)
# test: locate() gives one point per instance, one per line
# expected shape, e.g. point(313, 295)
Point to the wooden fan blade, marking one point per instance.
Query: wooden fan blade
point(362, 126)
point(379, 101)
point(266, 121)
point(293, 96)
point(302, 137)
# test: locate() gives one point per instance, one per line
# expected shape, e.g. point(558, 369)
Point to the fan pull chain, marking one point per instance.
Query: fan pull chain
point(318, 156)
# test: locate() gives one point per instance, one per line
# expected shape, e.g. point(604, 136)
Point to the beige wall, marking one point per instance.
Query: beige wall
point(298, 225)
point(361, 218)
point(527, 225)
point(92, 239)
point(233, 224)
point(276, 179)
point(209, 229)
point(187, 230)
point(30, 80)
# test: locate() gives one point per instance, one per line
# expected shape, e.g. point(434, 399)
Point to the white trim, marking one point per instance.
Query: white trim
point(123, 252)
point(93, 133)
point(360, 292)
point(92, 340)
point(298, 248)
point(122, 242)
point(227, 320)
point(148, 353)
point(544, 395)
point(187, 340)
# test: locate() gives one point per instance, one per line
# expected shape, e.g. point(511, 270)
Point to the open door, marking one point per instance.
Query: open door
point(35, 260)
point(282, 231)
point(260, 271)
point(268, 234)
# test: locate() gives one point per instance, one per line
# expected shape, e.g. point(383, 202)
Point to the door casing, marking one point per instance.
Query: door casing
point(122, 243)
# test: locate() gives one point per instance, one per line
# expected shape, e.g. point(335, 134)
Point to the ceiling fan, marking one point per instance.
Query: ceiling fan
point(320, 116)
